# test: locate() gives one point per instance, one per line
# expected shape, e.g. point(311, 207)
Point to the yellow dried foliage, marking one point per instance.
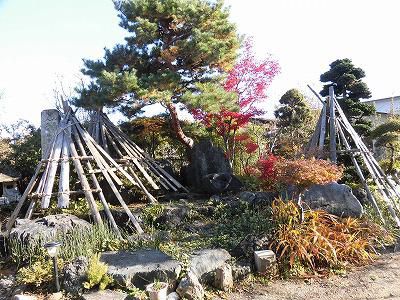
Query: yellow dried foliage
point(322, 241)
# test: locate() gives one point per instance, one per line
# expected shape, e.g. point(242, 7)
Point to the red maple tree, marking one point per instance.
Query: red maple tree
point(248, 80)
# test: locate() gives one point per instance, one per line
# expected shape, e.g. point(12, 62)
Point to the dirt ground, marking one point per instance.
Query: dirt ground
point(381, 280)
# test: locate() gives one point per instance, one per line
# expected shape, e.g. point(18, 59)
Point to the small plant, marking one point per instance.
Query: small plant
point(157, 290)
point(151, 213)
point(38, 273)
point(97, 274)
point(79, 242)
point(136, 293)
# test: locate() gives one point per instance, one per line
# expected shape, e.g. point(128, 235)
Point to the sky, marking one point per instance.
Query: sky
point(42, 43)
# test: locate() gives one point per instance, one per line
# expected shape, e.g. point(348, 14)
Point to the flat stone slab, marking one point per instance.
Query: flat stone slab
point(204, 261)
point(46, 227)
point(106, 294)
point(141, 267)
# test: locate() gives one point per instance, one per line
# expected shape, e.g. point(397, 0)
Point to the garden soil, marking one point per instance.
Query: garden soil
point(380, 280)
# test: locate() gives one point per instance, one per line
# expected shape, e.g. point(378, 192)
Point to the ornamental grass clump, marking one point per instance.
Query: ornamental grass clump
point(321, 242)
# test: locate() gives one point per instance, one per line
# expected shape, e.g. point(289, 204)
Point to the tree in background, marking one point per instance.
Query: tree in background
point(245, 86)
point(349, 89)
point(22, 151)
point(387, 135)
point(295, 122)
point(174, 48)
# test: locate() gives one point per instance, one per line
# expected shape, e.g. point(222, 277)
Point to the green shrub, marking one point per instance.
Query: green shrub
point(97, 274)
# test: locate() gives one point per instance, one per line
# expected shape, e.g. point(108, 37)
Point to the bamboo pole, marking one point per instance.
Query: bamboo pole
point(360, 174)
point(149, 196)
point(140, 153)
point(96, 148)
point(332, 129)
point(322, 132)
point(100, 162)
point(63, 197)
point(84, 182)
point(103, 136)
point(137, 164)
point(368, 160)
point(97, 186)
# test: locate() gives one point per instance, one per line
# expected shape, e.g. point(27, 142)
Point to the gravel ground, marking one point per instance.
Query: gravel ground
point(380, 280)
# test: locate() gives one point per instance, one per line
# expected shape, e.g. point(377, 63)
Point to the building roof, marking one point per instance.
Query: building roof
point(8, 174)
point(390, 105)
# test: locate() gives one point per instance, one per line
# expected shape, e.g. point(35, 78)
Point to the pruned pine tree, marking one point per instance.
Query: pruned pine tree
point(171, 48)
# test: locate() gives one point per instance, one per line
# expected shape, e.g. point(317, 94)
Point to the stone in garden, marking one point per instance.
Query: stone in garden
point(46, 227)
point(173, 214)
point(173, 296)
point(265, 261)
point(24, 297)
point(334, 198)
point(190, 288)
point(106, 294)
point(141, 267)
point(257, 198)
point(249, 244)
point(50, 118)
point(55, 296)
point(215, 183)
point(241, 269)
point(75, 275)
point(205, 159)
point(361, 196)
point(224, 278)
point(7, 285)
point(205, 261)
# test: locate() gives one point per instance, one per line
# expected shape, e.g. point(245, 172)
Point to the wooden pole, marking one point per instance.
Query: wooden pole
point(97, 185)
point(322, 132)
point(332, 129)
point(84, 182)
point(21, 201)
point(63, 187)
point(100, 162)
point(360, 174)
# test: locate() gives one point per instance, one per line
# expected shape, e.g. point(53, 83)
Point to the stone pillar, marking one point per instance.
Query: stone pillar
point(50, 118)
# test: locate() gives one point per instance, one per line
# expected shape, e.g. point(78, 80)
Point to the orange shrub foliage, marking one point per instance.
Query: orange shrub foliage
point(278, 171)
point(321, 241)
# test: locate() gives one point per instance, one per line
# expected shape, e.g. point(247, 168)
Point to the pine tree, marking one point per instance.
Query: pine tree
point(172, 47)
point(349, 89)
point(294, 120)
point(388, 135)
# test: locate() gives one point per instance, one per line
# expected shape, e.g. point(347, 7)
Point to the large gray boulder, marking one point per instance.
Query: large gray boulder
point(75, 275)
point(204, 262)
point(47, 227)
point(205, 159)
point(336, 199)
point(141, 267)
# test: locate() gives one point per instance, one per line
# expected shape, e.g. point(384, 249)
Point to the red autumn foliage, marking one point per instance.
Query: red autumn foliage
point(302, 173)
point(249, 80)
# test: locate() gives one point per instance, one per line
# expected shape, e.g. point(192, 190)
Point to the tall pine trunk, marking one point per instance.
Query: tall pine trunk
point(176, 125)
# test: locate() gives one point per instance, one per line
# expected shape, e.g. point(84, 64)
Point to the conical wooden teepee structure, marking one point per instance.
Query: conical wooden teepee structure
point(334, 126)
point(137, 162)
point(72, 143)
